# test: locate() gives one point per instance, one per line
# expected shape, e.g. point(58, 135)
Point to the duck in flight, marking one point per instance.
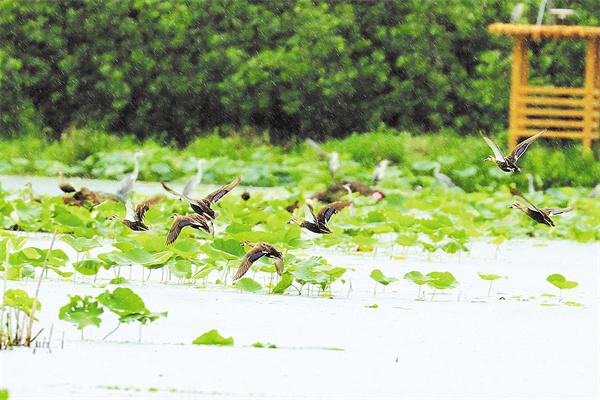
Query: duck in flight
point(195, 221)
point(541, 215)
point(203, 206)
point(259, 250)
point(134, 218)
point(318, 223)
point(508, 163)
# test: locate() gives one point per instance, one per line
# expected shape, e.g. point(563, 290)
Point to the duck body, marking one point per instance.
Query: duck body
point(338, 190)
point(318, 223)
point(194, 221)
point(311, 226)
point(258, 251)
point(508, 163)
point(134, 218)
point(203, 206)
point(541, 215)
point(64, 186)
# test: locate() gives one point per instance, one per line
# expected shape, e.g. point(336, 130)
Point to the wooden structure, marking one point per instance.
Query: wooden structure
point(567, 112)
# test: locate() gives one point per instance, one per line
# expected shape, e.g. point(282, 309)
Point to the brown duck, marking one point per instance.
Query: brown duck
point(541, 215)
point(508, 163)
point(64, 186)
point(338, 190)
point(32, 198)
point(259, 250)
point(134, 219)
point(318, 223)
point(195, 221)
point(202, 206)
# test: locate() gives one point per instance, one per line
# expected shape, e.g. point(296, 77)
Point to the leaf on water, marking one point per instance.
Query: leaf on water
point(378, 276)
point(442, 280)
point(213, 338)
point(266, 345)
point(417, 277)
point(80, 244)
point(88, 267)
point(118, 281)
point(561, 282)
point(20, 300)
point(490, 277)
point(122, 301)
point(139, 256)
point(248, 285)
point(81, 311)
point(372, 306)
point(572, 304)
point(229, 246)
point(285, 282)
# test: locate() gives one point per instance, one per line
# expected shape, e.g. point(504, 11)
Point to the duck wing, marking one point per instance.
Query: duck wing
point(219, 193)
point(522, 147)
point(520, 196)
point(556, 211)
point(329, 210)
point(497, 152)
point(251, 256)
point(309, 214)
point(144, 206)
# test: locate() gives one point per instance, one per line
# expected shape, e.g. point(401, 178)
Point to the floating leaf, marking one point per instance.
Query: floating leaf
point(213, 338)
point(88, 267)
point(378, 276)
point(490, 277)
point(561, 282)
point(417, 277)
point(285, 282)
point(248, 285)
point(20, 300)
point(81, 311)
point(442, 280)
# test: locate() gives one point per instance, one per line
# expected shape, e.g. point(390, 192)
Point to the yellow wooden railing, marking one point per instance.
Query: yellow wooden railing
point(567, 112)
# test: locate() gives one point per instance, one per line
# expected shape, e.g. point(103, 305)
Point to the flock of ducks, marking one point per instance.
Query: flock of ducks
point(203, 214)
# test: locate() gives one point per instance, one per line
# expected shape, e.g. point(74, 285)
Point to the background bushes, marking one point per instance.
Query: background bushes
point(296, 68)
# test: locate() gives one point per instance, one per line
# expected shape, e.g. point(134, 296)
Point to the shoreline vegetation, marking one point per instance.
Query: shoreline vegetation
point(96, 154)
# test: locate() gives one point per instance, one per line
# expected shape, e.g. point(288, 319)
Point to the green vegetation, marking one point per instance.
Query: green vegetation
point(561, 282)
point(213, 338)
point(491, 278)
point(301, 68)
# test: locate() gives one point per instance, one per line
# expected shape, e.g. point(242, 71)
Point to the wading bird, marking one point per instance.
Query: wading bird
point(507, 164)
point(134, 218)
point(202, 206)
point(379, 171)
point(541, 215)
point(64, 186)
point(32, 198)
point(318, 223)
point(195, 221)
point(259, 250)
point(126, 184)
point(334, 163)
point(445, 179)
point(195, 180)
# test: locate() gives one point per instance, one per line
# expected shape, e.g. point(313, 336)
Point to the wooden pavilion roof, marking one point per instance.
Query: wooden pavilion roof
point(545, 31)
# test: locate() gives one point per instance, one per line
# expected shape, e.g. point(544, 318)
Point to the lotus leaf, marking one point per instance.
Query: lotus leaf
point(213, 338)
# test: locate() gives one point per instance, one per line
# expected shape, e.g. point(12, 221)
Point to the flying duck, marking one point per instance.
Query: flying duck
point(195, 221)
point(507, 164)
point(134, 219)
point(202, 206)
point(318, 223)
point(259, 250)
point(541, 215)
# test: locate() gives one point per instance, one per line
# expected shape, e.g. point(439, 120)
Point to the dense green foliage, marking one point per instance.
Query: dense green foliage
point(294, 68)
point(93, 154)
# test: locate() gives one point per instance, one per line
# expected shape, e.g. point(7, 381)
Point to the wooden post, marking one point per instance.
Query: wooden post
point(591, 85)
point(519, 79)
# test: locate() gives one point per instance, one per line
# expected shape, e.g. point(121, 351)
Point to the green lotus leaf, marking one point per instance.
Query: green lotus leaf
point(81, 311)
point(248, 285)
point(561, 282)
point(378, 276)
point(213, 338)
point(417, 277)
